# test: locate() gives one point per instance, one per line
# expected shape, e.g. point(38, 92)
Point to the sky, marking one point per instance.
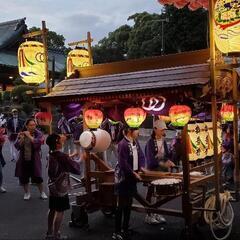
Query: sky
point(74, 18)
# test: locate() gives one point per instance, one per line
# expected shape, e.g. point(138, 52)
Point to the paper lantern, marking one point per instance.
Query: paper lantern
point(31, 62)
point(180, 115)
point(93, 118)
point(134, 117)
point(43, 118)
point(76, 59)
point(227, 25)
point(226, 113)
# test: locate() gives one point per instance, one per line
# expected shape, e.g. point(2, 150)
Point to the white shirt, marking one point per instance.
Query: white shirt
point(135, 157)
point(161, 151)
point(15, 123)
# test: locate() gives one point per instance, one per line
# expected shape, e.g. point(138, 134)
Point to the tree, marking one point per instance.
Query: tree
point(54, 40)
point(185, 31)
point(114, 47)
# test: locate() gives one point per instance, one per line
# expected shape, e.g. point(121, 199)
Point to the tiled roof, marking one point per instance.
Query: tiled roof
point(197, 74)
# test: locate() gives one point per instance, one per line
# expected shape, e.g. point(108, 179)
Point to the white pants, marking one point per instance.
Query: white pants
point(13, 151)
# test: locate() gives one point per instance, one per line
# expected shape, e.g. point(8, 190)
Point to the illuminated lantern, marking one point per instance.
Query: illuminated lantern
point(31, 62)
point(134, 117)
point(43, 118)
point(226, 112)
point(76, 59)
point(180, 115)
point(227, 25)
point(93, 118)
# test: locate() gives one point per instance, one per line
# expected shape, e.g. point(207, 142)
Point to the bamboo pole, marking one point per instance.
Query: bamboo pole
point(44, 39)
point(214, 102)
point(235, 132)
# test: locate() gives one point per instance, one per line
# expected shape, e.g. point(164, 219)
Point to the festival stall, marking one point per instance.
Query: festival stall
point(149, 84)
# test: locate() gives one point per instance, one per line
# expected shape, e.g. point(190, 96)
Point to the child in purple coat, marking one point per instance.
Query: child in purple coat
point(60, 165)
point(130, 161)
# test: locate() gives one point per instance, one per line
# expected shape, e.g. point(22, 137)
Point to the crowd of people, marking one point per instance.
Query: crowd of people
point(25, 146)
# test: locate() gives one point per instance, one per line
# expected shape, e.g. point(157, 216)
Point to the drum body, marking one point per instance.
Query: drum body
point(167, 187)
point(95, 140)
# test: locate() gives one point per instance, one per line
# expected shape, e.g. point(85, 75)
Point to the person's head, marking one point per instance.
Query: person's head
point(131, 133)
point(14, 112)
point(30, 125)
point(54, 142)
point(76, 73)
point(159, 127)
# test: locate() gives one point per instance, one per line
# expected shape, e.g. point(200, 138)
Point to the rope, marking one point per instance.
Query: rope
point(220, 220)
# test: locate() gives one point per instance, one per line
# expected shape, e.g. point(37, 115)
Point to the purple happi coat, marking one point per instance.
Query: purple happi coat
point(151, 150)
point(125, 181)
point(36, 158)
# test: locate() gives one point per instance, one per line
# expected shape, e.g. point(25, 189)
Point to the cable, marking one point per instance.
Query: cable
point(220, 220)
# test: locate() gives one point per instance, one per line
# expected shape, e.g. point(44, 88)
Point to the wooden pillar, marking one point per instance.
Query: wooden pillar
point(44, 39)
point(87, 164)
point(214, 102)
point(89, 41)
point(186, 205)
point(235, 133)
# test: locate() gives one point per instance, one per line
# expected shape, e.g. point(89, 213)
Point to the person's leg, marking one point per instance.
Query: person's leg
point(127, 213)
point(12, 150)
point(51, 215)
point(58, 218)
point(26, 188)
point(119, 213)
point(1, 175)
point(39, 182)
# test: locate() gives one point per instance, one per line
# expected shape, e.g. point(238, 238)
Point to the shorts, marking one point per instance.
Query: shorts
point(28, 173)
point(59, 204)
point(25, 180)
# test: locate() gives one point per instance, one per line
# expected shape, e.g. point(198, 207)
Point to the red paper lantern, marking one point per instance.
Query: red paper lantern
point(93, 118)
point(180, 115)
point(43, 118)
point(134, 117)
point(226, 112)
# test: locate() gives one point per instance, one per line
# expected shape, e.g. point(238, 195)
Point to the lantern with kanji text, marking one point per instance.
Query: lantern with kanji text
point(77, 58)
point(31, 62)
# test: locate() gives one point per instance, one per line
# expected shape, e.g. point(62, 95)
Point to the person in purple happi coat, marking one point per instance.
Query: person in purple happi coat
point(29, 163)
point(130, 161)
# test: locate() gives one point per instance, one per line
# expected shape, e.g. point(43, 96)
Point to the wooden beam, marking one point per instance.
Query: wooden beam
point(80, 42)
point(34, 34)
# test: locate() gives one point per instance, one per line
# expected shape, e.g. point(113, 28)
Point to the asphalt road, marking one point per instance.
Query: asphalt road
point(21, 219)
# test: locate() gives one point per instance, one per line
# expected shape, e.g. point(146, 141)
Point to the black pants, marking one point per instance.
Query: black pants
point(123, 212)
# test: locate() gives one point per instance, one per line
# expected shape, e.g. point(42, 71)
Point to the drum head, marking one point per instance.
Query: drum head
point(86, 139)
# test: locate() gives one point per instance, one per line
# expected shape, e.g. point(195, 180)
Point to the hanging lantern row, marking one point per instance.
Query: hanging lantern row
point(227, 25)
point(134, 117)
point(180, 115)
point(76, 59)
point(31, 62)
point(226, 112)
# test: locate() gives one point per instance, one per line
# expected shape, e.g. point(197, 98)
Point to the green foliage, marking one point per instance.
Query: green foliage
point(6, 96)
point(28, 108)
point(19, 93)
point(184, 30)
point(54, 40)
